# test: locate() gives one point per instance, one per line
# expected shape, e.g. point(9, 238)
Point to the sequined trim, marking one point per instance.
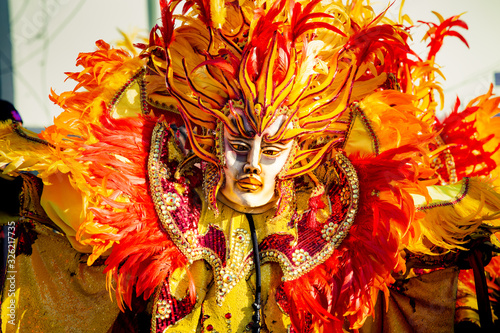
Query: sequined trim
point(19, 131)
point(162, 106)
point(239, 265)
point(158, 171)
point(167, 310)
point(212, 245)
point(459, 197)
point(449, 161)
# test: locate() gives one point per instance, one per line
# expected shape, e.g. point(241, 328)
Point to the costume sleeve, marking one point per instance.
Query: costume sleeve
point(456, 203)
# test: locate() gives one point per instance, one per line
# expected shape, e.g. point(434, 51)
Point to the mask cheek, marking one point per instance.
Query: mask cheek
point(273, 166)
point(231, 158)
point(232, 168)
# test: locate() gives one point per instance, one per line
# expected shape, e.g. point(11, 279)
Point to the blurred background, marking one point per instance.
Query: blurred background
point(40, 40)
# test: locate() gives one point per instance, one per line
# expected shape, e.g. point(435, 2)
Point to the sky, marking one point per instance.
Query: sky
point(47, 36)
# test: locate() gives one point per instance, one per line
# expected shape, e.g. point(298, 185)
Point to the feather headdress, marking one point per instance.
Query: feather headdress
point(306, 60)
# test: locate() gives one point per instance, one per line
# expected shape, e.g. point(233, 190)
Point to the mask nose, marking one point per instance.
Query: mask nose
point(253, 162)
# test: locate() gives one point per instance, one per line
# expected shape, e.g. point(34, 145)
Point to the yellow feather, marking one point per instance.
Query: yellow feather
point(447, 226)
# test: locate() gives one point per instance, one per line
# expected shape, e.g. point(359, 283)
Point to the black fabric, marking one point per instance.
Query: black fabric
point(255, 324)
point(9, 195)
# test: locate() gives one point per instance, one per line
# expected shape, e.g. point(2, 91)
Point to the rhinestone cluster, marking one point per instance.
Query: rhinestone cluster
point(172, 201)
point(228, 322)
point(163, 309)
point(328, 231)
point(345, 196)
point(239, 242)
point(164, 172)
point(300, 256)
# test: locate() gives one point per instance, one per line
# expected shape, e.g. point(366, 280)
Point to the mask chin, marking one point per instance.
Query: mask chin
point(246, 209)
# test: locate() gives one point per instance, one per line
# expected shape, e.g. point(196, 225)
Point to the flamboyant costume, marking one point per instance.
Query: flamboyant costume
point(375, 208)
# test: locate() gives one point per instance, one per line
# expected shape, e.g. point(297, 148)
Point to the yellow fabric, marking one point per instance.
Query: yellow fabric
point(49, 286)
point(129, 104)
point(19, 153)
point(56, 290)
point(237, 302)
point(359, 140)
point(64, 206)
point(179, 284)
point(440, 194)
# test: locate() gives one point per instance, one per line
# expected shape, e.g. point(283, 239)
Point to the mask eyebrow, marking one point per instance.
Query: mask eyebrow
point(280, 145)
point(238, 137)
point(238, 128)
point(271, 140)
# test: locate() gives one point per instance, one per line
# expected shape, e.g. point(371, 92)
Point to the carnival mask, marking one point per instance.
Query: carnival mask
point(252, 165)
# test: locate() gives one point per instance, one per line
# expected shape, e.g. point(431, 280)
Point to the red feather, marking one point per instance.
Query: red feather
point(437, 33)
point(143, 255)
point(299, 22)
point(347, 284)
point(367, 41)
point(458, 130)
